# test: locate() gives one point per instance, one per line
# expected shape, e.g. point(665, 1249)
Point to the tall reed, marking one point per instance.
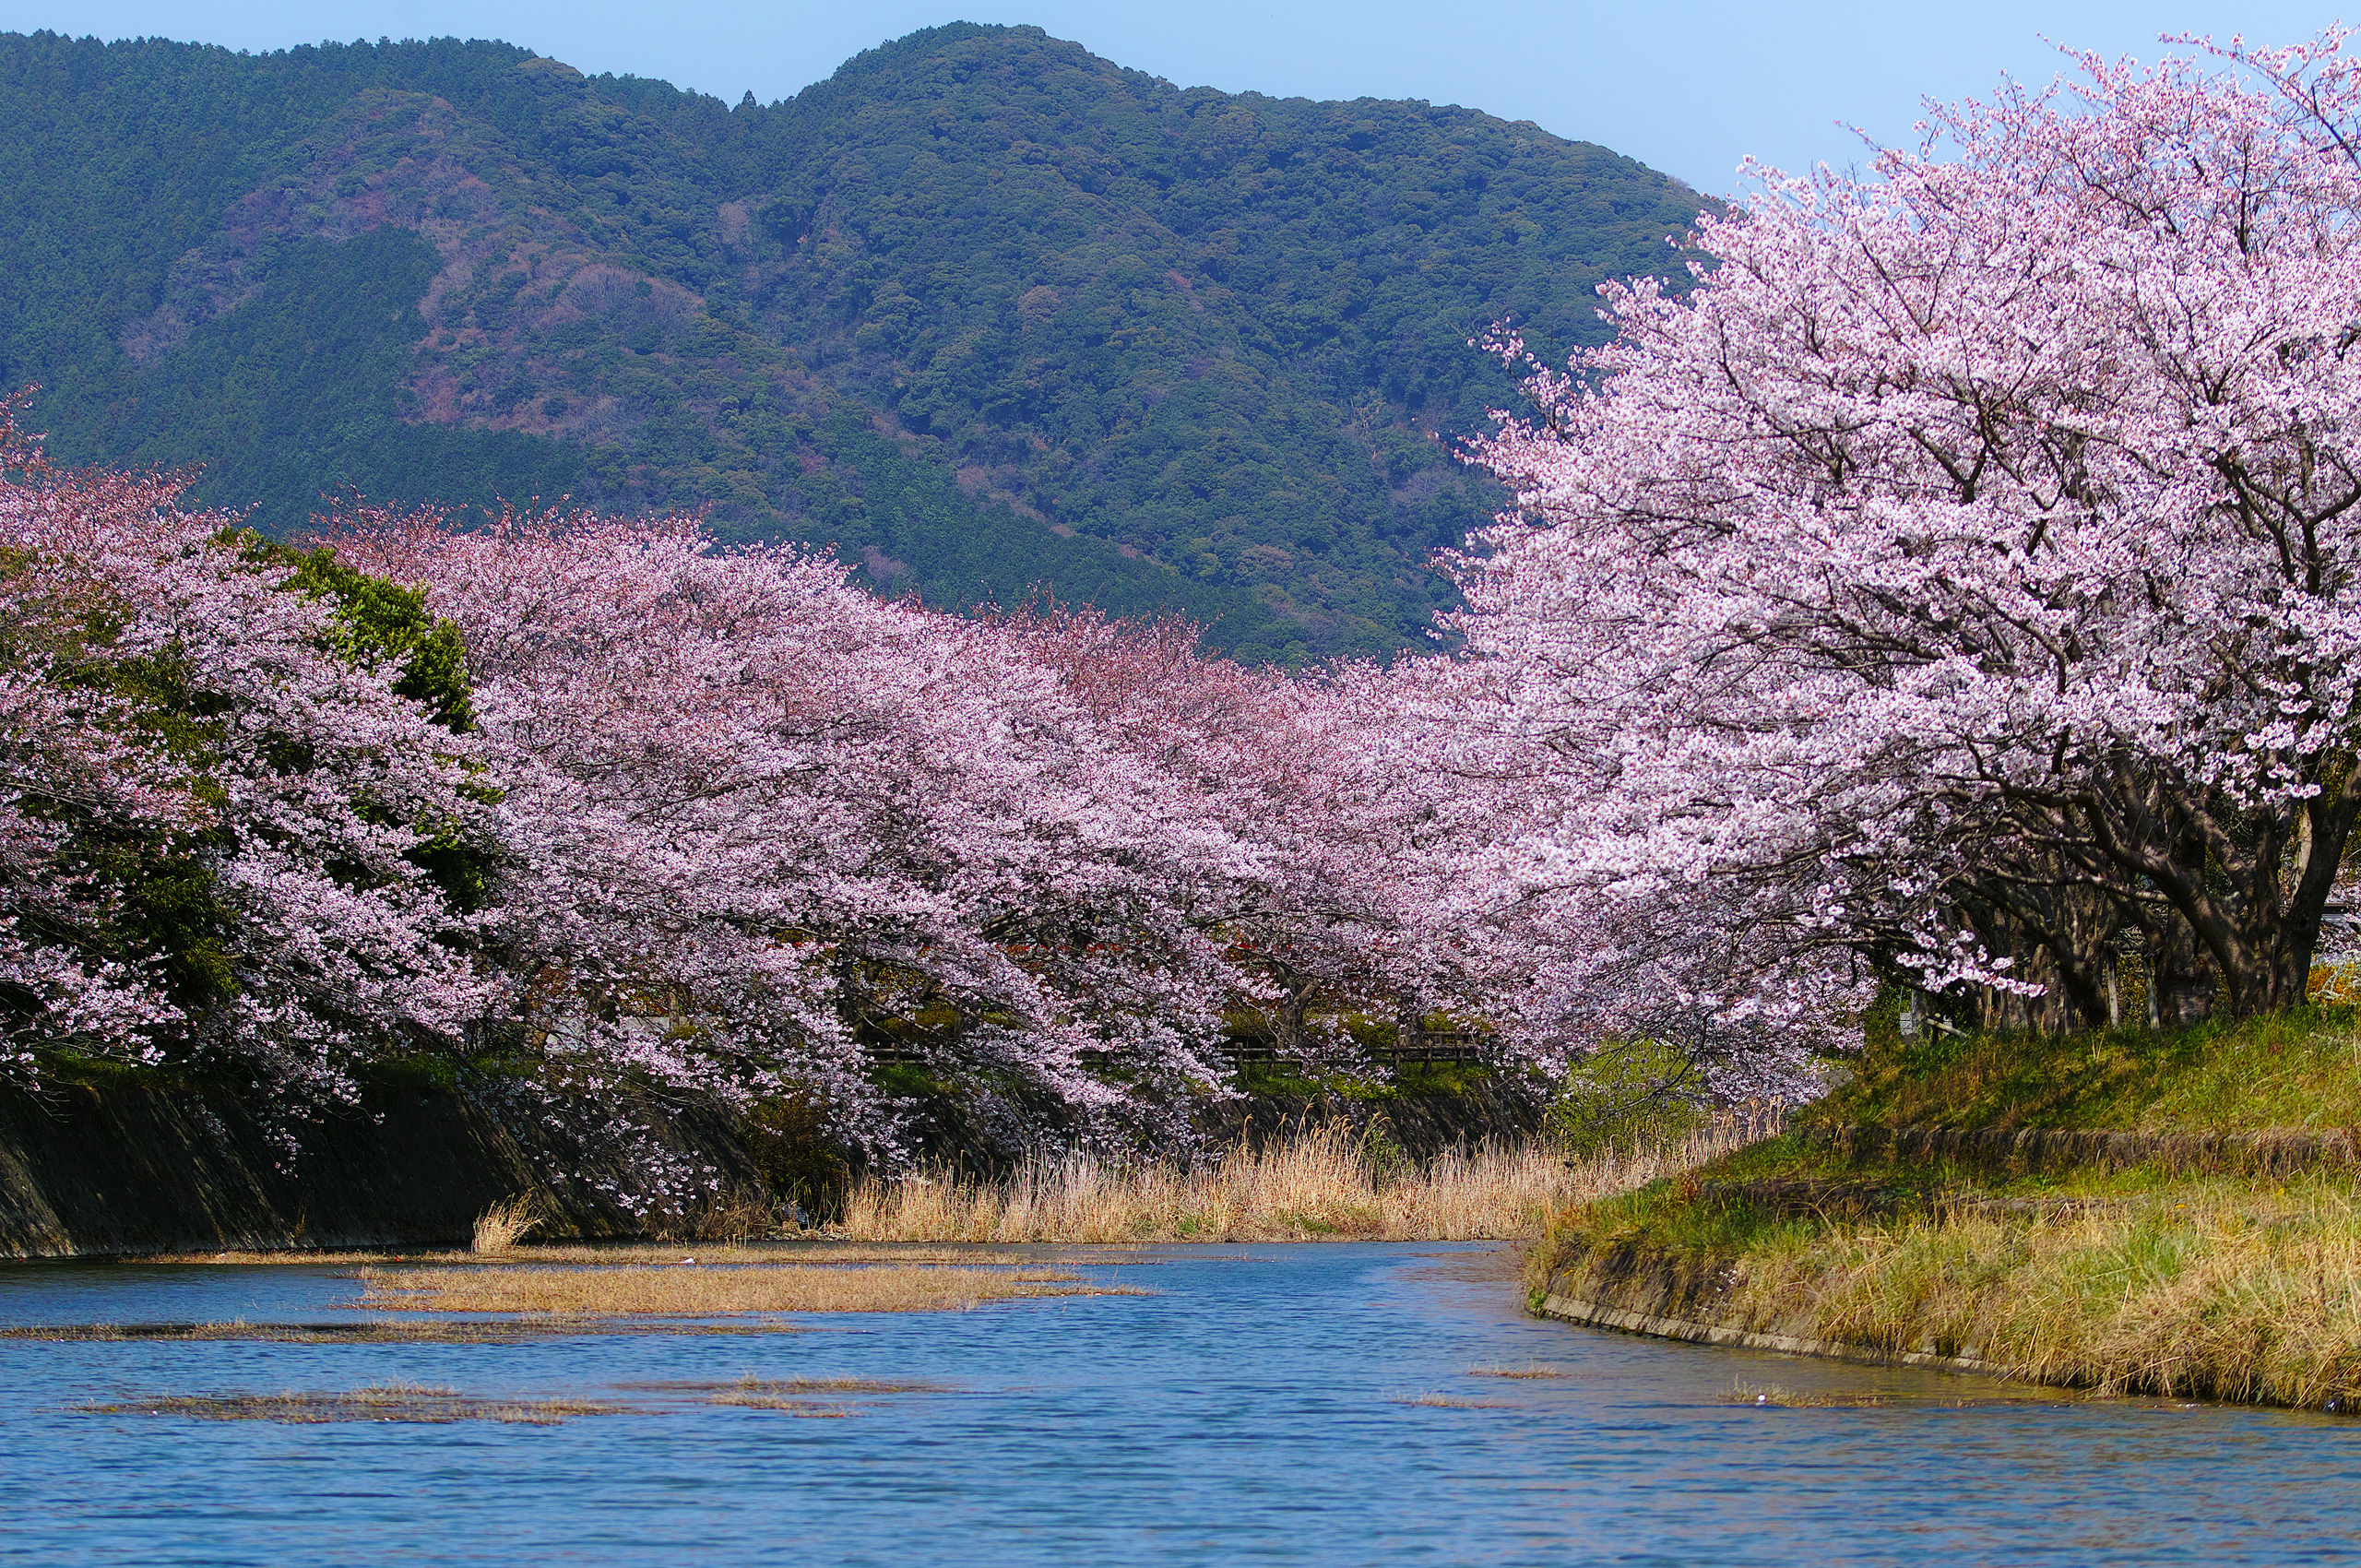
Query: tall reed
point(500, 1226)
point(1322, 1183)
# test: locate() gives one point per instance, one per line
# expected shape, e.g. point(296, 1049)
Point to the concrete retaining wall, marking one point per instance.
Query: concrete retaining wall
point(1594, 1314)
point(132, 1167)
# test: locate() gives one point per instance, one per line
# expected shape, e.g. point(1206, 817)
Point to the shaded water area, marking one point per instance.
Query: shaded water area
point(1318, 1404)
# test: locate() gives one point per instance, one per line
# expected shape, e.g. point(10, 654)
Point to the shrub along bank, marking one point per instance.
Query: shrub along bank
point(2210, 1247)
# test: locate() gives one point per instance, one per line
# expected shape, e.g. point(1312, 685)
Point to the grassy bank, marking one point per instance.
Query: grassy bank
point(1322, 1185)
point(2294, 1070)
point(2128, 1280)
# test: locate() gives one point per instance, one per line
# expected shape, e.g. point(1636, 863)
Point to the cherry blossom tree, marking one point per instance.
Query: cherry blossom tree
point(1962, 574)
point(1505, 915)
point(221, 816)
point(1303, 774)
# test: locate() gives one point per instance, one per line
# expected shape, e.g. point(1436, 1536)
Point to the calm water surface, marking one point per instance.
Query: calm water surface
point(1260, 1406)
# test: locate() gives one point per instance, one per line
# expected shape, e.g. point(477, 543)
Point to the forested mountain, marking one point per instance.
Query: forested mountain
point(985, 312)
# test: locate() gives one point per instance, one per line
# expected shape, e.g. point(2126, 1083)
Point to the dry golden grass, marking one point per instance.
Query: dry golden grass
point(679, 1291)
point(819, 1251)
point(823, 1398)
point(806, 1408)
point(792, 1397)
point(1316, 1186)
point(500, 1226)
point(407, 1331)
point(388, 1402)
point(2218, 1288)
point(345, 1258)
point(800, 1387)
point(740, 1216)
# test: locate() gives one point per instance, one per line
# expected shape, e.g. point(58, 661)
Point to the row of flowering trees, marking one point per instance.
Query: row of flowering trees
point(1962, 577)
point(754, 816)
point(601, 794)
point(1957, 585)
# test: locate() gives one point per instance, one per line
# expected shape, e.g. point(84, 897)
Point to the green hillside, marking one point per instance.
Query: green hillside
point(988, 314)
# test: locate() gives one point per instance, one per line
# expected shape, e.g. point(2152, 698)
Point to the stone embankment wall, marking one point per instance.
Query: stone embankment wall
point(132, 1167)
point(136, 1166)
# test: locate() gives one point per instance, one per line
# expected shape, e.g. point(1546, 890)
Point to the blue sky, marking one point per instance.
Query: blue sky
point(1690, 89)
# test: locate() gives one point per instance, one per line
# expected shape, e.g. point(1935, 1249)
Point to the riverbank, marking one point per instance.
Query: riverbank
point(102, 1160)
point(2126, 1213)
point(1321, 1182)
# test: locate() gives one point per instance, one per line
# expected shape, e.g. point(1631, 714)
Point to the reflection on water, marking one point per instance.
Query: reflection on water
point(1336, 1403)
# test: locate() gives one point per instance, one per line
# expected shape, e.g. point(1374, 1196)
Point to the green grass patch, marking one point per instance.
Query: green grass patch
point(2300, 1069)
point(907, 1079)
point(1281, 1079)
point(1439, 1079)
point(426, 1074)
point(61, 1066)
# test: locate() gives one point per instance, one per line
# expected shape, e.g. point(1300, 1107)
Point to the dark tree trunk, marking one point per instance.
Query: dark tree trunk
point(2249, 887)
point(2182, 974)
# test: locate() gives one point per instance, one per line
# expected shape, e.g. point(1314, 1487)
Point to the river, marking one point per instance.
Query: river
point(1321, 1405)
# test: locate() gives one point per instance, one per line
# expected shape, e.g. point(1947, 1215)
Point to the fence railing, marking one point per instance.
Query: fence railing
point(1429, 1048)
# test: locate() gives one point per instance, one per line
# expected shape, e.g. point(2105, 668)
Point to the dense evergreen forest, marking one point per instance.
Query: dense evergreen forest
point(990, 315)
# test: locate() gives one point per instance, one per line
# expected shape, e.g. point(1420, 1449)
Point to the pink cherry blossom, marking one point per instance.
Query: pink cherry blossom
point(165, 696)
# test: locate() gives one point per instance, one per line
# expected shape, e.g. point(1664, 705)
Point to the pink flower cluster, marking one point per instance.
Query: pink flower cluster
point(185, 748)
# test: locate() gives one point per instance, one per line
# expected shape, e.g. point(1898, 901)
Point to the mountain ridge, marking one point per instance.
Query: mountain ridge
point(987, 312)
